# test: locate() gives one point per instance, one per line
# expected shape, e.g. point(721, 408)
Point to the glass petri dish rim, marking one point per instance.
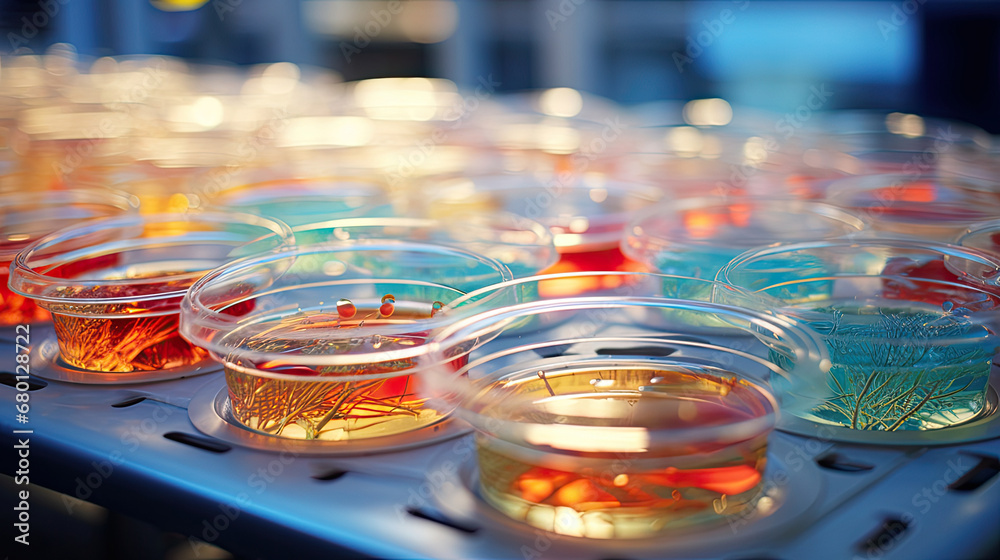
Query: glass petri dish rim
point(470, 327)
point(976, 229)
point(543, 234)
point(989, 287)
point(26, 281)
point(197, 316)
point(544, 239)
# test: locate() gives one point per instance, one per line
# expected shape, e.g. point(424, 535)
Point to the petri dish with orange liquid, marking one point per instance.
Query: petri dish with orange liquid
point(620, 417)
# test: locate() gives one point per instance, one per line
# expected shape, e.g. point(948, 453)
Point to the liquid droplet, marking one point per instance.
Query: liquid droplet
point(388, 305)
point(947, 306)
point(602, 383)
point(435, 307)
point(676, 495)
point(346, 309)
point(377, 341)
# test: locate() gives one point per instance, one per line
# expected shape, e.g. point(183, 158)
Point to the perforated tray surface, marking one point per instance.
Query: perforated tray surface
point(134, 448)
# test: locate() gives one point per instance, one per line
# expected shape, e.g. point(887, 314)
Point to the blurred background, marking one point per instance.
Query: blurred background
point(221, 110)
point(935, 58)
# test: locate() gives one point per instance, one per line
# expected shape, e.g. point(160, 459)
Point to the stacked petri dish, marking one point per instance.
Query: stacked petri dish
point(899, 143)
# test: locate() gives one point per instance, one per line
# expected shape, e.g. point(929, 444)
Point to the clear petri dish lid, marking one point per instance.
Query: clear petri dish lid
point(523, 245)
point(331, 305)
point(137, 260)
point(582, 212)
point(663, 309)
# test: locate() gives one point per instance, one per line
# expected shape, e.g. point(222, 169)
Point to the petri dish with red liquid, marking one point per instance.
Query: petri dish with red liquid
point(27, 216)
point(114, 286)
point(586, 214)
point(926, 207)
point(321, 342)
point(640, 424)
